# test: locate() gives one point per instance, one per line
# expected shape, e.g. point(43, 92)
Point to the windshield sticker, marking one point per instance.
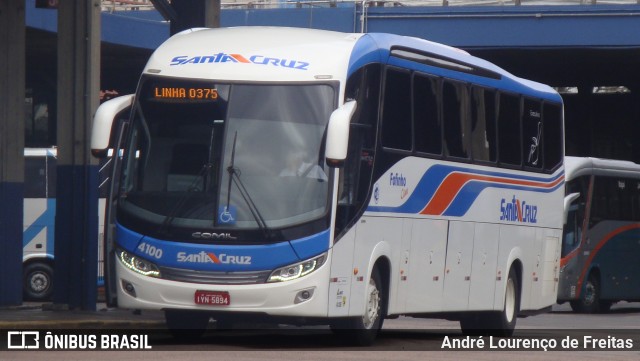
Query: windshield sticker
point(227, 214)
point(238, 58)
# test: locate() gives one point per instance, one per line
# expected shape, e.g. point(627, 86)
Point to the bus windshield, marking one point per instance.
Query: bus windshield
point(207, 156)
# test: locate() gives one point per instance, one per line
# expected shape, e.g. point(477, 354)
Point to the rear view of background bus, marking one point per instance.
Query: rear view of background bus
point(39, 222)
point(600, 246)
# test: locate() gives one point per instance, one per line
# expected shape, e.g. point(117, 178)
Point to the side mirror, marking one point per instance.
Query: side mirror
point(338, 134)
point(568, 199)
point(103, 123)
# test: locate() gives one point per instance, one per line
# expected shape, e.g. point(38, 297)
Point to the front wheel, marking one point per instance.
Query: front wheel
point(362, 331)
point(589, 301)
point(38, 281)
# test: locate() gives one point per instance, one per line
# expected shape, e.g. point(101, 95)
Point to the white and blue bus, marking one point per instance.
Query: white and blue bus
point(317, 176)
point(39, 221)
point(600, 249)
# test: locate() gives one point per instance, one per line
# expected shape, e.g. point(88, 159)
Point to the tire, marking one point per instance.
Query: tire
point(186, 326)
point(362, 331)
point(503, 323)
point(589, 301)
point(38, 282)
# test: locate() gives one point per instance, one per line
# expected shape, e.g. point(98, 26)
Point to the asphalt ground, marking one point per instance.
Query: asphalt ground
point(34, 315)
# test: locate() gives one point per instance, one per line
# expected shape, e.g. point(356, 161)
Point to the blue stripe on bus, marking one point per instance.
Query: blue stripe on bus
point(47, 221)
point(223, 258)
point(435, 175)
point(468, 194)
point(311, 246)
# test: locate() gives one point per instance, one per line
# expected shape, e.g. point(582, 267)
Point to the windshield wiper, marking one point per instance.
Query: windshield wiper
point(202, 174)
point(234, 176)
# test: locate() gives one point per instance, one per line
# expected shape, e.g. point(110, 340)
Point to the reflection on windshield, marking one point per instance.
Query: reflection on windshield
point(175, 171)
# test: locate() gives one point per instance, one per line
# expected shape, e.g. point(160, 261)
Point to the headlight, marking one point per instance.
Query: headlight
point(297, 270)
point(138, 265)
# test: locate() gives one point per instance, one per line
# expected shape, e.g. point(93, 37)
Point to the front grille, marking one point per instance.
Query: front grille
point(213, 277)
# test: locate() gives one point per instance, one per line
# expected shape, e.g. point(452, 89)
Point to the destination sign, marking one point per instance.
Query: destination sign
point(184, 93)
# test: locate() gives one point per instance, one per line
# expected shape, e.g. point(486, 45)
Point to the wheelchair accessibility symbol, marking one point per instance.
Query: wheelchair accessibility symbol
point(227, 215)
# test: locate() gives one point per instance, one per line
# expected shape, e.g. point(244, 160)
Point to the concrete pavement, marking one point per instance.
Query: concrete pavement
point(32, 315)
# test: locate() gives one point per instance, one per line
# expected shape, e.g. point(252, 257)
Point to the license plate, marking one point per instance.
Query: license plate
point(216, 298)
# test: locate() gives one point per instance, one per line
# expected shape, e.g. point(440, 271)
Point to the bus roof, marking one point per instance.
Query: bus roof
point(580, 166)
point(251, 53)
point(254, 53)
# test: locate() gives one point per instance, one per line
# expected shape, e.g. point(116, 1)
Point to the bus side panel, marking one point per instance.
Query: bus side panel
point(617, 260)
point(543, 269)
point(483, 266)
point(375, 237)
point(426, 265)
point(550, 269)
point(515, 243)
point(403, 276)
point(534, 265)
point(339, 297)
point(457, 275)
point(38, 227)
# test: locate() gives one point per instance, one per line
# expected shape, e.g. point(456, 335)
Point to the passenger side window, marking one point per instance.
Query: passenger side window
point(428, 132)
point(532, 133)
point(552, 135)
point(483, 124)
point(396, 113)
point(510, 151)
point(455, 119)
point(35, 176)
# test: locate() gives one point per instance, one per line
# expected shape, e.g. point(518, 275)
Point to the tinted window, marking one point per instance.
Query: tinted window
point(483, 124)
point(355, 176)
point(572, 232)
point(509, 135)
point(532, 133)
point(552, 135)
point(428, 132)
point(35, 177)
point(455, 119)
point(615, 199)
point(396, 117)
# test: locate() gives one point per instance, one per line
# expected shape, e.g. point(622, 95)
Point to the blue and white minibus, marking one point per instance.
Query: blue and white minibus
point(313, 176)
point(600, 243)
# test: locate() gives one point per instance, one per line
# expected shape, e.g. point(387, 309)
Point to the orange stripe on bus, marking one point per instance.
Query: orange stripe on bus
point(597, 248)
point(455, 181)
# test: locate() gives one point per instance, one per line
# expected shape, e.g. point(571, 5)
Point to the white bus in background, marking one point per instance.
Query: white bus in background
point(600, 248)
point(39, 222)
point(311, 176)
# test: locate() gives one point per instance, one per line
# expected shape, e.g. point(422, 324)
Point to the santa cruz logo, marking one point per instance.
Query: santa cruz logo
point(238, 58)
point(210, 257)
point(518, 211)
